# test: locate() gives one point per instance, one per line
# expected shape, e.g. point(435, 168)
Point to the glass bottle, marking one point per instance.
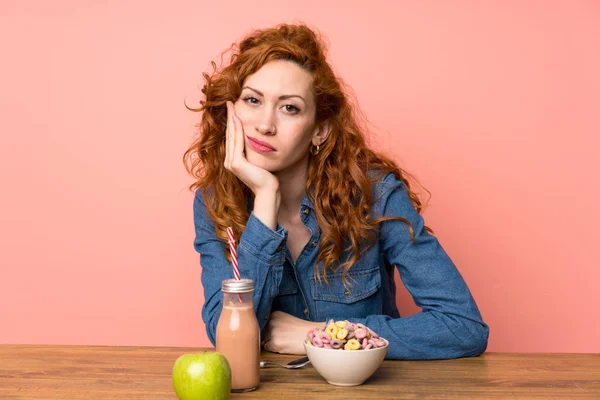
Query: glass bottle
point(238, 334)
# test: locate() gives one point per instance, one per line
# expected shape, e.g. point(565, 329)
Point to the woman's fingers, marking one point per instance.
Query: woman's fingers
point(238, 150)
point(266, 335)
point(229, 136)
point(269, 346)
point(234, 141)
point(234, 156)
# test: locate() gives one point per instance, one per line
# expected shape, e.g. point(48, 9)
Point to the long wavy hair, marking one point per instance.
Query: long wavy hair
point(340, 176)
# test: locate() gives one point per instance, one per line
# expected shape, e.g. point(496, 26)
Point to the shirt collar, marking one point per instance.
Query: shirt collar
point(304, 203)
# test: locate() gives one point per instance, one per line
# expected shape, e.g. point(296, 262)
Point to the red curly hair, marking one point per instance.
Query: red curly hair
point(340, 176)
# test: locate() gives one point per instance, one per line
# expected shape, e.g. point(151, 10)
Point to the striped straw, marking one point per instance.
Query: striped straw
point(234, 261)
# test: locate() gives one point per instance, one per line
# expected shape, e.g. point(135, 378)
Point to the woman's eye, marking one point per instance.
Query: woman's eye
point(251, 100)
point(291, 109)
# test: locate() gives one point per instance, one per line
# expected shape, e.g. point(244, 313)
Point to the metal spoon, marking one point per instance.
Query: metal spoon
point(299, 363)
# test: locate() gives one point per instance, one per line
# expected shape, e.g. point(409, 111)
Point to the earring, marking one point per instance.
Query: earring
point(315, 150)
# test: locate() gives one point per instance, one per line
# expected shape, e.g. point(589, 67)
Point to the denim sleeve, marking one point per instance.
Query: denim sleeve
point(450, 325)
point(260, 257)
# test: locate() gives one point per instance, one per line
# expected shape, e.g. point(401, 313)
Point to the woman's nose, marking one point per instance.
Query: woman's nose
point(266, 124)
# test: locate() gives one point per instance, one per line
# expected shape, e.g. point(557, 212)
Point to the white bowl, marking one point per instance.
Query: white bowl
point(346, 367)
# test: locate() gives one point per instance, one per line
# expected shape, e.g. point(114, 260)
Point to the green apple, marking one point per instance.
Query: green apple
point(203, 375)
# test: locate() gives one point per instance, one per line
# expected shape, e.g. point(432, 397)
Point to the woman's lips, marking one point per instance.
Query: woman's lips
point(260, 146)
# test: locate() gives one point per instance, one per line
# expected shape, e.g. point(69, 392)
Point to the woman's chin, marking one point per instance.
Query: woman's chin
point(261, 162)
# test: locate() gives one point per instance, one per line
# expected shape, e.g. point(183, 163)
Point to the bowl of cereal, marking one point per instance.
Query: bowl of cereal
point(344, 353)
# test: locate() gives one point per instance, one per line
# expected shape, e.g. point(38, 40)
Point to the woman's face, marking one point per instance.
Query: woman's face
point(277, 109)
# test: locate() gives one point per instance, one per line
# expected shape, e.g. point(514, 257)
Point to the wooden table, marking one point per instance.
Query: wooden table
point(97, 372)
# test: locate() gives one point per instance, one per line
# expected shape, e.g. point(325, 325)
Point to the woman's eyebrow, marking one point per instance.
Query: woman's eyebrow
point(282, 97)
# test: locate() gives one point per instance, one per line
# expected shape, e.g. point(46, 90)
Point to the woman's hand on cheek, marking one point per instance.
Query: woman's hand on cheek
point(263, 184)
point(285, 333)
point(256, 178)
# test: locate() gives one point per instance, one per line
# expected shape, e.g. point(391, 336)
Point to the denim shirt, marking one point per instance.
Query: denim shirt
point(449, 325)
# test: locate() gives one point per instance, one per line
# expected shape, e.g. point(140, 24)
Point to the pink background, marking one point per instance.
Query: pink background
point(493, 105)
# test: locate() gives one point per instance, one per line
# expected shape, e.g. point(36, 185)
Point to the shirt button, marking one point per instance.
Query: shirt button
point(347, 292)
point(314, 243)
point(280, 247)
point(306, 311)
point(305, 211)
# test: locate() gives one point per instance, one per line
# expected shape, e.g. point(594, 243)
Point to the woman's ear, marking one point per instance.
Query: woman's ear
point(321, 133)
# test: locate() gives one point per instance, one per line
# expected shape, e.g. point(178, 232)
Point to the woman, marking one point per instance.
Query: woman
point(322, 220)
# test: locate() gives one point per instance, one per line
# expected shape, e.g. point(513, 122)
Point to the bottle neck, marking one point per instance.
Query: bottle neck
point(237, 299)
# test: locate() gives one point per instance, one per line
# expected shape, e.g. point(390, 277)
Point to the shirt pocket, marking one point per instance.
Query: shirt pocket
point(362, 298)
point(286, 300)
